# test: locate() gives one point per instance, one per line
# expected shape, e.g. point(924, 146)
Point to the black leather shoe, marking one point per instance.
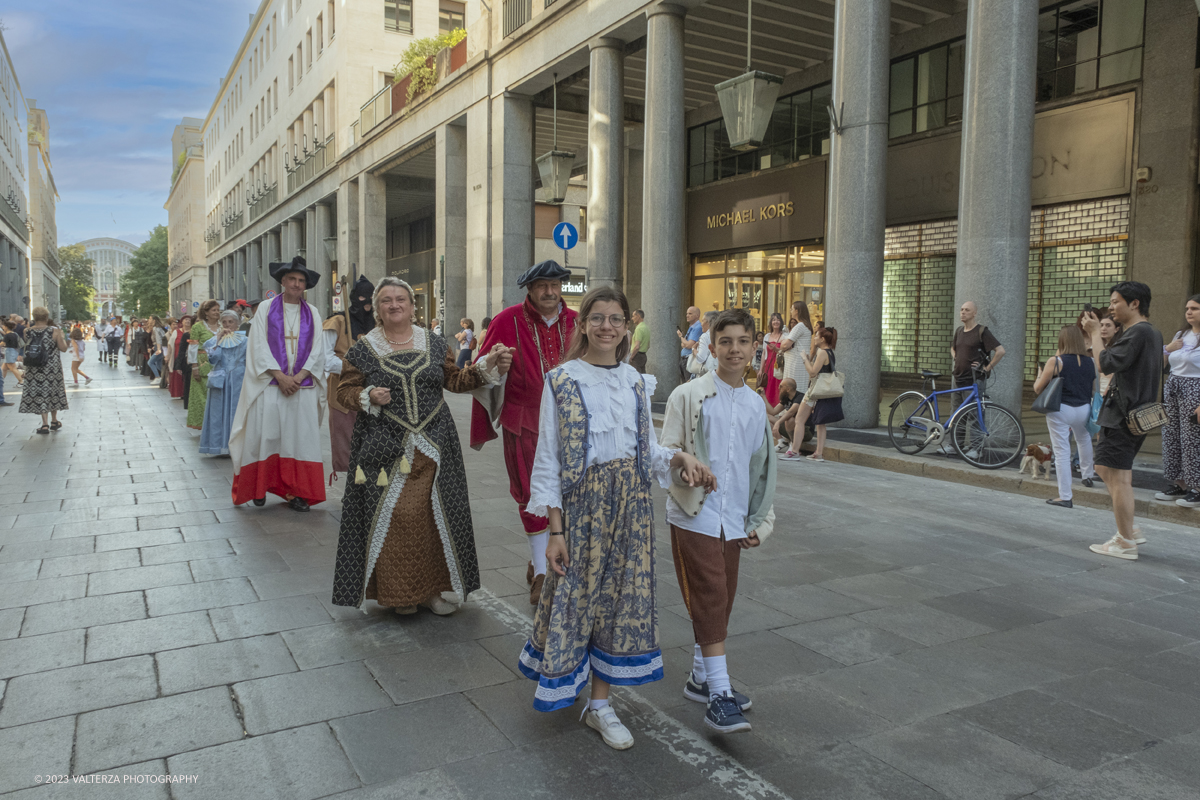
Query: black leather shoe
point(298, 504)
point(1088, 482)
point(1063, 503)
point(260, 501)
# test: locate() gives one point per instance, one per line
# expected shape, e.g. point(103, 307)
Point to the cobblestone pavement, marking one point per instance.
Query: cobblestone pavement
point(900, 638)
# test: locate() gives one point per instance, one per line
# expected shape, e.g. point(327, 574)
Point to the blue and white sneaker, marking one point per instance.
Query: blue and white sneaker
point(724, 716)
point(698, 692)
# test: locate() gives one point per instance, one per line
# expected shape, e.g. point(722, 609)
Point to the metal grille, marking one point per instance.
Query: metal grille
point(517, 13)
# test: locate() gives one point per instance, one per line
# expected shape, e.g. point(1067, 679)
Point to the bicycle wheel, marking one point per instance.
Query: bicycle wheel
point(907, 428)
point(995, 443)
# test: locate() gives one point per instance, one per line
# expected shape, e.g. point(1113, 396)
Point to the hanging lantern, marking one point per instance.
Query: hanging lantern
point(748, 100)
point(330, 243)
point(555, 166)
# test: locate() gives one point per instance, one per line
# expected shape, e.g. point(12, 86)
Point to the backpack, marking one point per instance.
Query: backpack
point(35, 351)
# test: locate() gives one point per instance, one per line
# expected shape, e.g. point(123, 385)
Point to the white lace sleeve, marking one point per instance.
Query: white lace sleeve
point(364, 400)
point(333, 363)
point(545, 482)
point(660, 460)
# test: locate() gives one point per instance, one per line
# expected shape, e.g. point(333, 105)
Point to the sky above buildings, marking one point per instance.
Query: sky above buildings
point(115, 77)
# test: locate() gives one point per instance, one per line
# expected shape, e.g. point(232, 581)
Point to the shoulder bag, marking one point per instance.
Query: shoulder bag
point(1051, 397)
point(1143, 419)
point(826, 385)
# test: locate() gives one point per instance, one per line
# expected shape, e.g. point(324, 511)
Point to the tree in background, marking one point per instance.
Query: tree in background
point(77, 285)
point(144, 287)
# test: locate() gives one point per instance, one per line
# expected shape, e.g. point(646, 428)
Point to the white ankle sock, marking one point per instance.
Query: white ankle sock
point(537, 551)
point(717, 675)
point(596, 705)
point(698, 671)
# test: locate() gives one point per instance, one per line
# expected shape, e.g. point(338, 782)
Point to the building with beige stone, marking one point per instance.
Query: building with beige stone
point(14, 191)
point(110, 262)
point(912, 154)
point(45, 271)
point(188, 270)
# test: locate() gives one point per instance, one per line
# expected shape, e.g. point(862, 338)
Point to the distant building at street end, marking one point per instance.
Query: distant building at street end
point(14, 192)
point(185, 218)
point(45, 271)
point(111, 257)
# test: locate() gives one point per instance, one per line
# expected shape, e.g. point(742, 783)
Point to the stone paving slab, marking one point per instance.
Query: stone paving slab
point(950, 651)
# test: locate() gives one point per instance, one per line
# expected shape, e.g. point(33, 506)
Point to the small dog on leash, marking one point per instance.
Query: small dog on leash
point(1037, 461)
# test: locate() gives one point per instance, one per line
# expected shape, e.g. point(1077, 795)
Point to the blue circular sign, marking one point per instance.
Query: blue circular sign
point(565, 235)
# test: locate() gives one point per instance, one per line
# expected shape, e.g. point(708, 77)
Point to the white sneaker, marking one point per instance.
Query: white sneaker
point(1138, 538)
point(779, 448)
point(615, 735)
point(1113, 548)
point(440, 606)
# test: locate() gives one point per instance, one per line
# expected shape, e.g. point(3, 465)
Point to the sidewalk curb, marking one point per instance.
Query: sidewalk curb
point(1002, 480)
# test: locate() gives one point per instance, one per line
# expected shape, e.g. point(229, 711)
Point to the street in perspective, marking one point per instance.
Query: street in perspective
point(700, 399)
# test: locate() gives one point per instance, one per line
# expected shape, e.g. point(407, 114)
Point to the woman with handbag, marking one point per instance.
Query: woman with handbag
point(767, 380)
point(823, 402)
point(1064, 389)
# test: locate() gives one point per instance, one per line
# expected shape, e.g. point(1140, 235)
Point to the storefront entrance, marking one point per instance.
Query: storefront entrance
point(763, 282)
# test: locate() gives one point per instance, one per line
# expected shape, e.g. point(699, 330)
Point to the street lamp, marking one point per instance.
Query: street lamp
point(748, 100)
point(555, 166)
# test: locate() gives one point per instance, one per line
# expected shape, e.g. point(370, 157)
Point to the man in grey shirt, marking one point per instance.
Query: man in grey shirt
point(1134, 359)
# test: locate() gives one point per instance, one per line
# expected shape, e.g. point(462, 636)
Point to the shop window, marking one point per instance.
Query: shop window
point(926, 90)
point(1089, 44)
point(799, 129)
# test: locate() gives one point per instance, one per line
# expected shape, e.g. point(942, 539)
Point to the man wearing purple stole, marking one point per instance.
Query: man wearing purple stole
point(275, 443)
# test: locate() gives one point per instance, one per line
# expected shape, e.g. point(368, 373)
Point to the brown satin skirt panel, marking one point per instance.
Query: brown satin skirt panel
point(412, 563)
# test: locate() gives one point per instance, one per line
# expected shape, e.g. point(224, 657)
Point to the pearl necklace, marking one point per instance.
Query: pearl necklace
point(400, 344)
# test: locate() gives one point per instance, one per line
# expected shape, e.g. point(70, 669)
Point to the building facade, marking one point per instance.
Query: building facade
point(1024, 155)
point(188, 272)
point(110, 263)
point(45, 271)
point(15, 292)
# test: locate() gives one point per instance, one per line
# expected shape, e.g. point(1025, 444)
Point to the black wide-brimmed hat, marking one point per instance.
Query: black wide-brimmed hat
point(280, 268)
point(545, 271)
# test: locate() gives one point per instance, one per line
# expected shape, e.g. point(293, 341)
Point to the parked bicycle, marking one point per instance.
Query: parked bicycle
point(984, 434)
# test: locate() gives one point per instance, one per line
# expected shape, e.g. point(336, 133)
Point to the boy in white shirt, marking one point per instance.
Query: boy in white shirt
point(723, 423)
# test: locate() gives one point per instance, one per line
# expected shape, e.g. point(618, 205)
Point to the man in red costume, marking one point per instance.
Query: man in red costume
point(538, 330)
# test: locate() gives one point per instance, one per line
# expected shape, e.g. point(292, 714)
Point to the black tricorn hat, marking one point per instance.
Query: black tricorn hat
point(280, 268)
point(546, 271)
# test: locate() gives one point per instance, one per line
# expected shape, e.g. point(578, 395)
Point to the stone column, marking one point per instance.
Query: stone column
point(634, 175)
point(857, 195)
point(319, 228)
point(450, 223)
point(994, 192)
point(664, 249)
point(1162, 239)
point(243, 276)
point(478, 216)
point(254, 273)
point(512, 197)
point(606, 148)
point(347, 219)
point(372, 226)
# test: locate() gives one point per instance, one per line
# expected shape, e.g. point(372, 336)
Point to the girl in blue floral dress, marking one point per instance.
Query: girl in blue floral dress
point(596, 457)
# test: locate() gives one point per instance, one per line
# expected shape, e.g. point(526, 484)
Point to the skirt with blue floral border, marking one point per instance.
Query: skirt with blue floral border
point(602, 616)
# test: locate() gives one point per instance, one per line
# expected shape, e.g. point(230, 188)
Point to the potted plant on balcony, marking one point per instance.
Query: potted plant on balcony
point(416, 73)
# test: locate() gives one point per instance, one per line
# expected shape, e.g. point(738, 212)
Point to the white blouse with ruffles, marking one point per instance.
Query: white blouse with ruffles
point(611, 402)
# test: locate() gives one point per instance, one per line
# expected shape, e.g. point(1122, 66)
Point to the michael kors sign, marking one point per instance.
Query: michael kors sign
point(785, 205)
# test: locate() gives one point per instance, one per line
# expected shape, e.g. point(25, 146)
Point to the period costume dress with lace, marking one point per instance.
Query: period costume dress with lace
point(406, 530)
point(198, 390)
point(596, 458)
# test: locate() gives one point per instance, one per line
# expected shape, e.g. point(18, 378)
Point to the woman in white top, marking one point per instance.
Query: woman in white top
point(798, 343)
point(596, 458)
point(1181, 395)
point(466, 342)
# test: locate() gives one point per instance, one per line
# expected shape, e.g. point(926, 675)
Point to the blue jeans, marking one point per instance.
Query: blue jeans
point(155, 364)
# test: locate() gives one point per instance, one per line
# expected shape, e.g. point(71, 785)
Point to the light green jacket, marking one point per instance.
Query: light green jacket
point(683, 429)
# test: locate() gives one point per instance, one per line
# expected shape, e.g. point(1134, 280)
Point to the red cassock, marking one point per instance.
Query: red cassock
point(540, 348)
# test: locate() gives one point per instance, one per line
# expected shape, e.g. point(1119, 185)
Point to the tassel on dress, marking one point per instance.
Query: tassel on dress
point(383, 478)
point(359, 476)
point(404, 465)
